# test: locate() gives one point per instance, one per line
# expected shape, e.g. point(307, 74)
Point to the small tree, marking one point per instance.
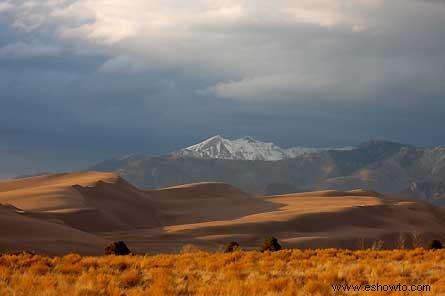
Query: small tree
point(231, 247)
point(117, 248)
point(401, 241)
point(416, 239)
point(270, 244)
point(434, 245)
point(377, 245)
point(361, 243)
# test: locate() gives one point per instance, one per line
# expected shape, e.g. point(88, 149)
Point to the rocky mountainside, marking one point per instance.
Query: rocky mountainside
point(375, 165)
point(246, 148)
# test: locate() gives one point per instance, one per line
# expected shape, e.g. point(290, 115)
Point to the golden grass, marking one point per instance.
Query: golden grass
point(288, 272)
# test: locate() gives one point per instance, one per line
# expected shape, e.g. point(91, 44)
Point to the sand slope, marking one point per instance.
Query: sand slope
point(89, 201)
point(314, 219)
point(82, 212)
point(61, 213)
point(50, 192)
point(325, 219)
point(19, 232)
point(199, 202)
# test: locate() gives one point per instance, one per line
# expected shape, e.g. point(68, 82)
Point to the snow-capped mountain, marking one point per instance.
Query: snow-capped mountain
point(245, 148)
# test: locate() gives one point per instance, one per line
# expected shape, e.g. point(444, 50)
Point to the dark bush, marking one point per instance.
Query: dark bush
point(117, 248)
point(434, 245)
point(270, 244)
point(230, 247)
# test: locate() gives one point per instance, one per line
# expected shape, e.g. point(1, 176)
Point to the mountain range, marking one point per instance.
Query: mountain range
point(266, 169)
point(246, 148)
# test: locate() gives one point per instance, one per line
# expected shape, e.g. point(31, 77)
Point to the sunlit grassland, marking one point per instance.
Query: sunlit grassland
point(287, 272)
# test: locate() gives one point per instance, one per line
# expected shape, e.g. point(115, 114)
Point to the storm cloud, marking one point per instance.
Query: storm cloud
point(85, 80)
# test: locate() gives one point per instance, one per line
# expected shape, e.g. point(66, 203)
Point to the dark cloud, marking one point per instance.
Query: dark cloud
point(78, 87)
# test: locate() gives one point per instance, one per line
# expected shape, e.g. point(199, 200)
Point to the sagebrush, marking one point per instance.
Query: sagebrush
point(285, 272)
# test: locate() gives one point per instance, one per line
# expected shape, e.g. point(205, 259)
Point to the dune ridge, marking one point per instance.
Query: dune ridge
point(84, 211)
point(20, 232)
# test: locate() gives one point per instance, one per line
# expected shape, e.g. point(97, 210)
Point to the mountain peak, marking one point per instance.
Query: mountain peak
point(245, 148)
point(249, 139)
point(216, 137)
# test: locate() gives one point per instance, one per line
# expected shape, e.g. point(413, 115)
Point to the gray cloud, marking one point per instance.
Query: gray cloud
point(84, 80)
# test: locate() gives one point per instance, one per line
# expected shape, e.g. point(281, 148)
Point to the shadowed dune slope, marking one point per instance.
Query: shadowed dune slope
point(83, 211)
point(199, 202)
point(325, 218)
point(89, 201)
point(19, 232)
point(304, 220)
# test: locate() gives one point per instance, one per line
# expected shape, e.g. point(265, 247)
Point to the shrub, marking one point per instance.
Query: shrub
point(270, 244)
point(434, 245)
point(117, 248)
point(416, 239)
point(377, 245)
point(230, 247)
point(401, 241)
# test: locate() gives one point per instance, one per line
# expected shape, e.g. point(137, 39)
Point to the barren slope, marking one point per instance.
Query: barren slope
point(314, 219)
point(19, 232)
point(206, 214)
point(90, 201)
point(326, 218)
point(199, 202)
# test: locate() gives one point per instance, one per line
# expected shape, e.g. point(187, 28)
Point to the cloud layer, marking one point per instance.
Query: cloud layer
point(290, 48)
point(156, 75)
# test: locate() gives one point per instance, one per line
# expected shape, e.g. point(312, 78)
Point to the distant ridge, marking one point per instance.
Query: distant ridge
point(246, 148)
point(264, 168)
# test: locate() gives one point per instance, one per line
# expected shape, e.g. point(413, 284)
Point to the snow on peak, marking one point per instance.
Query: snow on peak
point(246, 148)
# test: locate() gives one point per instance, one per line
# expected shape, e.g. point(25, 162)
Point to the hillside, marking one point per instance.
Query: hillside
point(305, 220)
point(60, 213)
point(84, 211)
point(375, 165)
point(200, 202)
point(90, 201)
point(18, 232)
point(323, 219)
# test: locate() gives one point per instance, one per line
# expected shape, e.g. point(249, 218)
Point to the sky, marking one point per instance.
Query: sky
point(86, 80)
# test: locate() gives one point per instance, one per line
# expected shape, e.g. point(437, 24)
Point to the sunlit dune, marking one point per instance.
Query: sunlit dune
point(89, 202)
point(313, 219)
point(50, 192)
point(321, 219)
point(105, 207)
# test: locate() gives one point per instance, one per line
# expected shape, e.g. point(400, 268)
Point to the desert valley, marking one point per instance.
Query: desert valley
point(85, 211)
point(222, 148)
point(54, 230)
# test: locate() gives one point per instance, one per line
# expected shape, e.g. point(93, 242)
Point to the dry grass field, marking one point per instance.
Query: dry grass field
point(287, 272)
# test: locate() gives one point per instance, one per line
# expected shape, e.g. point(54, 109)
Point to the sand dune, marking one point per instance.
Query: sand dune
point(89, 201)
point(50, 192)
point(322, 219)
point(56, 212)
point(19, 232)
point(314, 219)
point(199, 202)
